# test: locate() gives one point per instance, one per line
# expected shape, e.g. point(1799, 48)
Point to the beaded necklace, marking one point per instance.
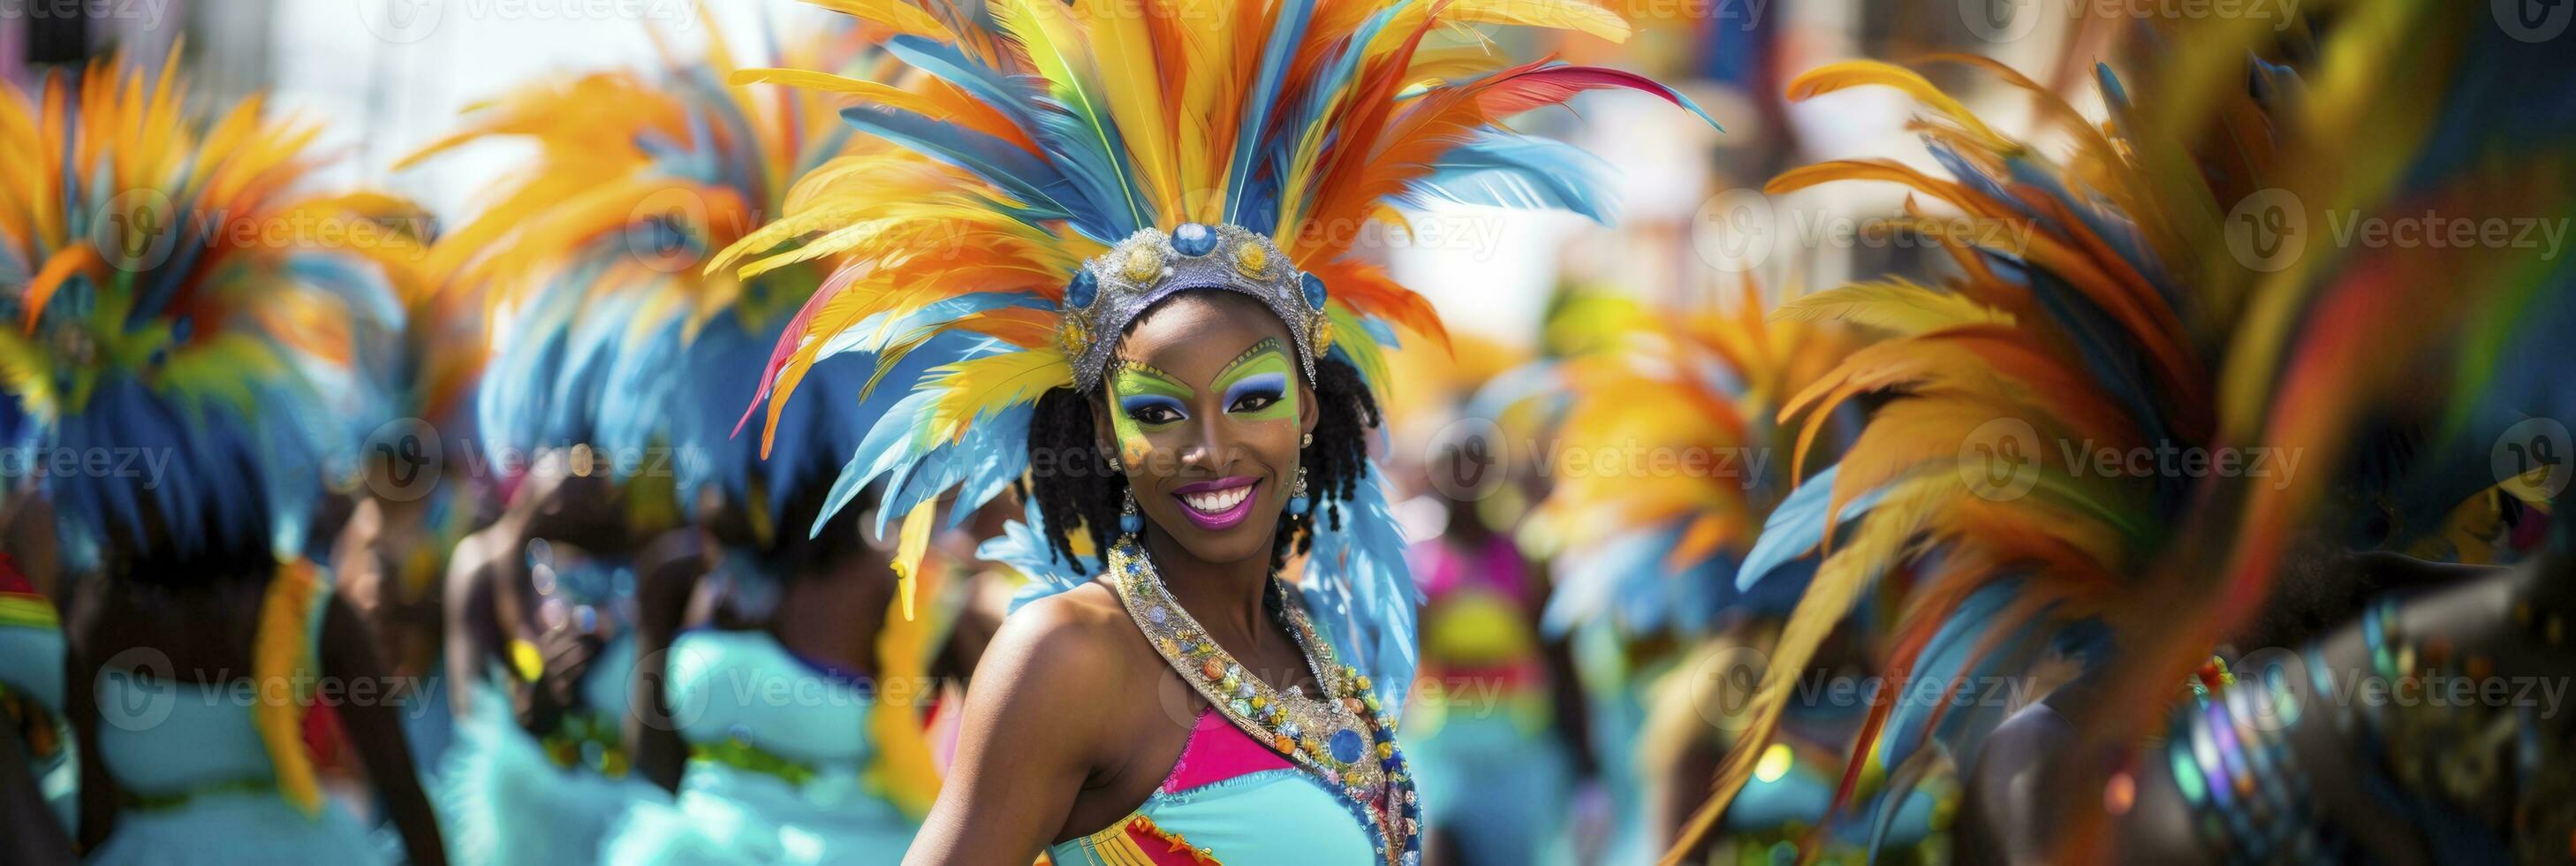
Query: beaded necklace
point(1345, 738)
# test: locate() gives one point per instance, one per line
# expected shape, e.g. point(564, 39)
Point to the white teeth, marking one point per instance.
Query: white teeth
point(1217, 501)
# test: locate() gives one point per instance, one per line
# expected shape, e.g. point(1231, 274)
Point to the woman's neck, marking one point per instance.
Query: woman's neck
point(1225, 597)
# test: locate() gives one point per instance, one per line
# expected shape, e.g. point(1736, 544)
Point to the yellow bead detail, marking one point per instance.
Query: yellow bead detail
point(1251, 259)
point(1143, 265)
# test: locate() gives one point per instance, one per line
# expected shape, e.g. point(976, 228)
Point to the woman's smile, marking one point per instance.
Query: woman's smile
point(1219, 504)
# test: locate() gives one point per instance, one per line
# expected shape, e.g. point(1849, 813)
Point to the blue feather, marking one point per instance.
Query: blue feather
point(1797, 526)
point(1245, 203)
point(1361, 588)
point(1027, 177)
point(1511, 171)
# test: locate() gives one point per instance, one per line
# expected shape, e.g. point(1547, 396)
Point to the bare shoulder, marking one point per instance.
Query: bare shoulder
point(1078, 635)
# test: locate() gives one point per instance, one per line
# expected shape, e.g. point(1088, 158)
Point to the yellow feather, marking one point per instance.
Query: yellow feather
point(903, 771)
point(1575, 15)
point(912, 542)
point(283, 657)
point(1862, 73)
point(901, 16)
point(1124, 48)
point(1882, 540)
point(1895, 305)
point(875, 91)
point(983, 384)
point(1209, 103)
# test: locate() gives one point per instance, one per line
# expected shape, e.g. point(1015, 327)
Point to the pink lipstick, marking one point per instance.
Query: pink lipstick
point(1218, 504)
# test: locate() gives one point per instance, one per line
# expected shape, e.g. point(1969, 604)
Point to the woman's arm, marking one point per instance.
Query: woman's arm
point(375, 728)
point(80, 708)
point(1030, 736)
point(34, 837)
point(669, 570)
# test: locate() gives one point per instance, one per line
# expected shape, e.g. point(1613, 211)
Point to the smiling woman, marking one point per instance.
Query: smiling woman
point(1154, 230)
point(1228, 469)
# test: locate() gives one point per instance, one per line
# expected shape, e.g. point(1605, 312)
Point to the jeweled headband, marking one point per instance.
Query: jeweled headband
point(1148, 266)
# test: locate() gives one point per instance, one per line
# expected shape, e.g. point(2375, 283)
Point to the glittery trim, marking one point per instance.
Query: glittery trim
point(1091, 333)
point(1374, 783)
point(1137, 841)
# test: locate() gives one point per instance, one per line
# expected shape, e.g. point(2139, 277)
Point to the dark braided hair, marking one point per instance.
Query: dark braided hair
point(1073, 483)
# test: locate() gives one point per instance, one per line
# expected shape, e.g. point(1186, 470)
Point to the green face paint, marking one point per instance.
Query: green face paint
point(1257, 384)
point(1144, 400)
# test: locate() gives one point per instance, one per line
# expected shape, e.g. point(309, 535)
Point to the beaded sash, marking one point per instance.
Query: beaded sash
point(1343, 738)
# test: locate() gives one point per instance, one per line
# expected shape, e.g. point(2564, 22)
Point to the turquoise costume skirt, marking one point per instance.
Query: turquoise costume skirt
point(728, 815)
point(506, 803)
point(248, 826)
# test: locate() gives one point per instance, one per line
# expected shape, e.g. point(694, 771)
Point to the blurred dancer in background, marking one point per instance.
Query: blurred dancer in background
point(784, 679)
point(184, 328)
point(2129, 316)
point(589, 257)
point(39, 776)
point(419, 497)
point(1496, 763)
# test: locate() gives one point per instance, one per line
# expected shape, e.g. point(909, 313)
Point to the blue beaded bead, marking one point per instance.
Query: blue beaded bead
point(1131, 523)
point(1314, 291)
point(1299, 506)
point(1083, 291)
point(1346, 745)
point(1194, 239)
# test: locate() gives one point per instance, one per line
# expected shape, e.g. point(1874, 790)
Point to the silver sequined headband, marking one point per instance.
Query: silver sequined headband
point(1149, 266)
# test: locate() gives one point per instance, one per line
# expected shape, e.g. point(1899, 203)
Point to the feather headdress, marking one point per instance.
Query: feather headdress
point(609, 331)
point(1037, 141)
point(2145, 317)
point(616, 334)
point(184, 322)
point(1682, 407)
point(172, 293)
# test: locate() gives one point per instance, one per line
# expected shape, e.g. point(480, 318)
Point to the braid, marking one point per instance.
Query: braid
point(1345, 411)
point(1075, 486)
point(1070, 477)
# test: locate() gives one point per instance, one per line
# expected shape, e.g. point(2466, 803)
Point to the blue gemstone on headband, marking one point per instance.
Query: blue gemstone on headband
point(1314, 292)
point(1084, 289)
point(1194, 239)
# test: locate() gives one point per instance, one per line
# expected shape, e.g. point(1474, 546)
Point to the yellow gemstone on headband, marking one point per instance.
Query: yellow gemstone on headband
point(1251, 259)
point(1142, 266)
